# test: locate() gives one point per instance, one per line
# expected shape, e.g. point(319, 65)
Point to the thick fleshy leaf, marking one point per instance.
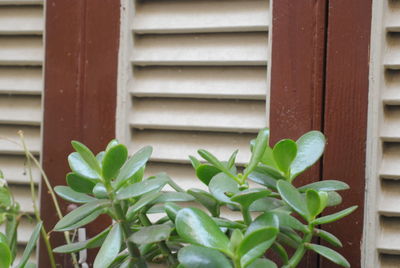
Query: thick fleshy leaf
point(255, 244)
point(236, 238)
point(206, 172)
point(201, 257)
point(334, 199)
point(326, 185)
point(268, 219)
point(286, 220)
point(93, 242)
point(260, 144)
point(133, 165)
point(80, 184)
point(113, 160)
point(80, 213)
point(5, 197)
point(70, 195)
point(141, 188)
point(172, 209)
point(3, 238)
point(79, 166)
point(280, 251)
point(263, 179)
point(31, 245)
point(284, 153)
point(151, 234)
point(222, 184)
point(87, 156)
point(111, 144)
point(313, 203)
point(267, 204)
point(262, 263)
point(330, 254)
point(247, 197)
point(5, 255)
point(195, 163)
point(173, 197)
point(221, 222)
point(196, 227)
point(207, 200)
point(268, 158)
point(335, 216)
point(330, 238)
point(232, 159)
point(100, 157)
point(310, 147)
point(100, 191)
point(86, 220)
point(215, 162)
point(293, 198)
point(141, 203)
point(110, 248)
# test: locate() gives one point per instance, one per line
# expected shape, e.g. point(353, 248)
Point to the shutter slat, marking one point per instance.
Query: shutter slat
point(20, 2)
point(32, 137)
point(18, 20)
point(201, 49)
point(176, 146)
point(200, 82)
point(390, 236)
point(23, 195)
point(390, 168)
point(21, 110)
point(182, 114)
point(15, 171)
point(393, 16)
point(25, 229)
point(20, 80)
point(390, 199)
point(392, 58)
point(21, 50)
point(200, 16)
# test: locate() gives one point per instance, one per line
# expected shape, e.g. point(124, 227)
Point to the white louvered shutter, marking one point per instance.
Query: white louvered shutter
point(382, 239)
point(21, 57)
point(193, 74)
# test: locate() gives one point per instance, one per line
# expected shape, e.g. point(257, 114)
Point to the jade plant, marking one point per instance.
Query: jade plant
point(150, 225)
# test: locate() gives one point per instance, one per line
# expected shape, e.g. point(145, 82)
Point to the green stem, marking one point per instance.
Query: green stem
point(162, 244)
point(246, 215)
point(301, 250)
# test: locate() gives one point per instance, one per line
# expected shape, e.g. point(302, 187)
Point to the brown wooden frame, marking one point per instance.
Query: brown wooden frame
point(82, 40)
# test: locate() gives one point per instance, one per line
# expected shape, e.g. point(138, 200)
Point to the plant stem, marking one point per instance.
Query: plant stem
point(246, 215)
point(29, 156)
point(301, 250)
point(162, 245)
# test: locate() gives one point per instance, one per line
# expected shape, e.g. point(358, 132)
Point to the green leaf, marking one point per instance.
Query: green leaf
point(196, 227)
point(215, 162)
point(111, 144)
point(70, 195)
point(207, 200)
point(113, 160)
point(262, 263)
point(260, 144)
point(133, 165)
point(267, 204)
point(293, 198)
point(141, 203)
point(87, 156)
point(263, 179)
point(280, 251)
point(330, 254)
point(326, 185)
point(151, 234)
point(173, 197)
point(79, 166)
point(100, 157)
point(31, 245)
point(206, 172)
point(313, 203)
point(267, 219)
point(172, 209)
point(232, 159)
point(141, 188)
point(201, 257)
point(195, 163)
point(79, 214)
point(3, 238)
point(284, 152)
point(222, 184)
point(221, 222)
point(236, 239)
point(5, 255)
point(286, 220)
point(110, 248)
point(79, 183)
point(334, 199)
point(310, 147)
point(335, 216)
point(255, 244)
point(333, 240)
point(93, 242)
point(86, 220)
point(100, 191)
point(268, 158)
point(247, 197)
point(5, 197)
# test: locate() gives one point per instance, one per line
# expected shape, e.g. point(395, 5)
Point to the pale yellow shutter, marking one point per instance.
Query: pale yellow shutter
point(193, 74)
point(21, 58)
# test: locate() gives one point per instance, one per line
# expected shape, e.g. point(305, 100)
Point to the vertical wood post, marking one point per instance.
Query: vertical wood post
point(82, 39)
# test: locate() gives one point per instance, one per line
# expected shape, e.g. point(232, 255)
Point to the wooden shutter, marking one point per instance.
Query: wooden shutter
point(21, 57)
point(382, 239)
point(193, 74)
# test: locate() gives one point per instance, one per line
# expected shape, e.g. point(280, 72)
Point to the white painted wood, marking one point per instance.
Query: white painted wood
point(390, 199)
point(17, 20)
point(200, 16)
point(10, 141)
point(392, 57)
point(183, 114)
point(17, 80)
point(390, 168)
point(201, 49)
point(21, 50)
point(21, 2)
point(15, 170)
point(176, 146)
point(200, 82)
point(390, 236)
point(393, 16)
point(22, 195)
point(20, 110)
point(24, 230)
point(390, 261)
